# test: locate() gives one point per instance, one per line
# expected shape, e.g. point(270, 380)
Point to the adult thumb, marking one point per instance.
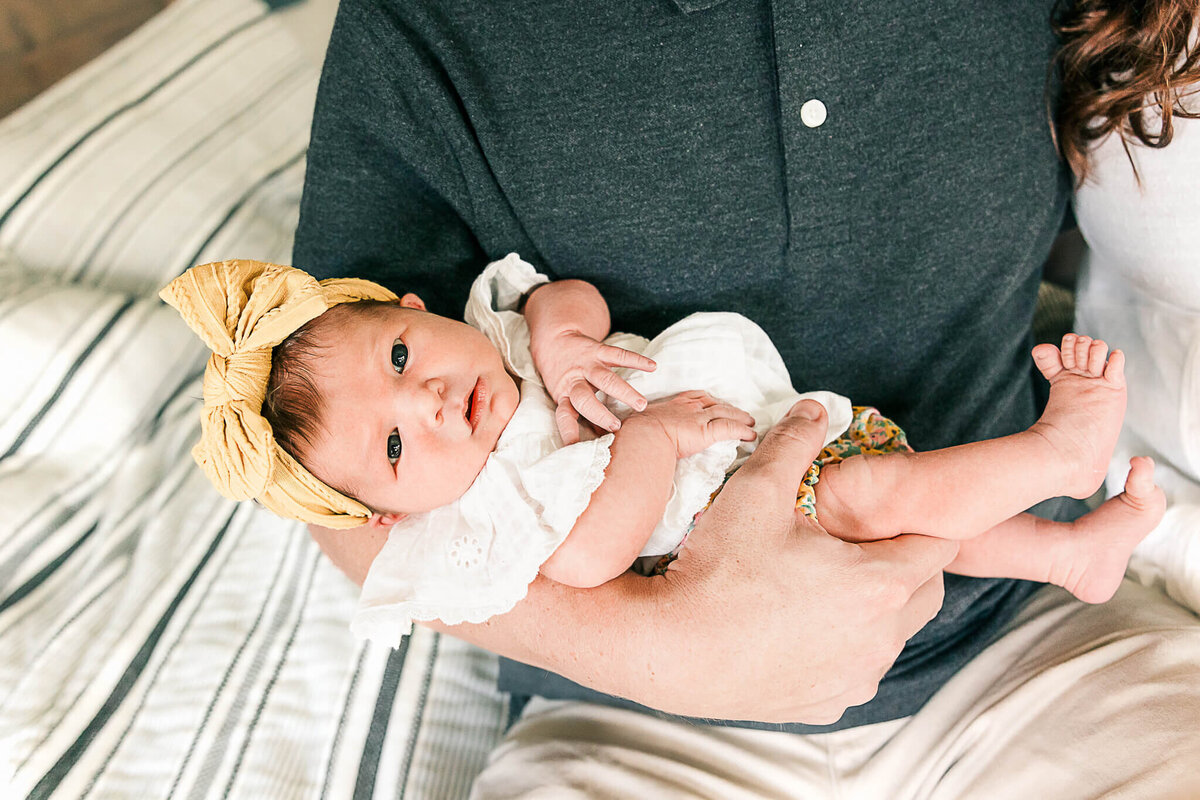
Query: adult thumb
point(789, 448)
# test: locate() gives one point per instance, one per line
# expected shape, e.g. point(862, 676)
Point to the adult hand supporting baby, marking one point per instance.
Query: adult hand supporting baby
point(828, 617)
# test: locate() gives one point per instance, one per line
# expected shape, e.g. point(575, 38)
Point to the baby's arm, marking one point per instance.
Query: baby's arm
point(623, 510)
point(628, 504)
point(567, 321)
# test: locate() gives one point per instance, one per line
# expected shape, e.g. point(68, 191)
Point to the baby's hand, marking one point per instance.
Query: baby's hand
point(574, 367)
point(694, 420)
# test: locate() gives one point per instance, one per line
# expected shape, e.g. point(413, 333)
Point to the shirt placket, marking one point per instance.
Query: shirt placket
point(808, 122)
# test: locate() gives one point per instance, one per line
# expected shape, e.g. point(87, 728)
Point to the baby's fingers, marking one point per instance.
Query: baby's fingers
point(590, 408)
point(607, 381)
point(620, 357)
point(567, 421)
point(723, 429)
point(733, 413)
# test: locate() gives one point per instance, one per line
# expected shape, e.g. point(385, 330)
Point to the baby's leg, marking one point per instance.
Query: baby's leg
point(961, 491)
point(1086, 557)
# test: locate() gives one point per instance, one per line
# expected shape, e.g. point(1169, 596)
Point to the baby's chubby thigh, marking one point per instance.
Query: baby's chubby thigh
point(863, 498)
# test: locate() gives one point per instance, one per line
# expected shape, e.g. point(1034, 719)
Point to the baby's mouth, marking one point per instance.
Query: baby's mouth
point(474, 406)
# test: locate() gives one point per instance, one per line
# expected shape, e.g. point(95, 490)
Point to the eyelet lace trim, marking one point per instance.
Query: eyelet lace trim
point(466, 552)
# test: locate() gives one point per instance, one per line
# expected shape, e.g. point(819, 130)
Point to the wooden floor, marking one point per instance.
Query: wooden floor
point(43, 40)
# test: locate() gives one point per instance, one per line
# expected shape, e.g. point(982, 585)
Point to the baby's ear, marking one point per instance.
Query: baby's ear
point(410, 300)
point(385, 520)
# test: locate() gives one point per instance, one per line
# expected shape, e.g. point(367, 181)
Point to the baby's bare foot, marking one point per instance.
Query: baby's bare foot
point(1085, 410)
point(1097, 548)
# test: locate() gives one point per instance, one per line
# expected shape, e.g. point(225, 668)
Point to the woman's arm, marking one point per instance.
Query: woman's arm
point(836, 614)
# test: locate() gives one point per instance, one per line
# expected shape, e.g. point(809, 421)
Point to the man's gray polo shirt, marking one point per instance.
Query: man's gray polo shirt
point(873, 183)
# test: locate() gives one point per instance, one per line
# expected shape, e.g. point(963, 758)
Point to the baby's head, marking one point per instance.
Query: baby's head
point(389, 404)
point(374, 398)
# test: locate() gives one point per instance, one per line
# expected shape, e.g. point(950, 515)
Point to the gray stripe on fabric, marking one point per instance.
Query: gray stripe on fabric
point(247, 212)
point(66, 379)
point(50, 731)
point(252, 109)
point(245, 198)
point(90, 132)
point(175, 398)
point(216, 753)
point(134, 510)
point(419, 716)
point(19, 594)
point(139, 507)
point(368, 765)
point(83, 608)
point(37, 537)
point(16, 299)
point(50, 781)
point(335, 745)
point(262, 703)
point(162, 664)
point(228, 670)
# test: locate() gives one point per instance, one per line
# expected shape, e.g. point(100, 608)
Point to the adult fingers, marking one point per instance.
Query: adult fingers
point(613, 385)
point(586, 403)
point(620, 357)
point(786, 452)
point(912, 558)
point(567, 420)
point(907, 573)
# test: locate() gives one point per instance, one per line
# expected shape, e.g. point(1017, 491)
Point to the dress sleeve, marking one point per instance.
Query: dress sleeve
point(494, 307)
point(385, 193)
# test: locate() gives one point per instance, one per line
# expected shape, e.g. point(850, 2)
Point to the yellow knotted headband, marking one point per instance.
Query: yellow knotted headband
point(241, 310)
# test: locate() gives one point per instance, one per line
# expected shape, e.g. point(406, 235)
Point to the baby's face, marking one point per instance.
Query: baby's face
point(414, 404)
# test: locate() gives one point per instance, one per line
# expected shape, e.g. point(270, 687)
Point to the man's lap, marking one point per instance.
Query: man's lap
point(1071, 701)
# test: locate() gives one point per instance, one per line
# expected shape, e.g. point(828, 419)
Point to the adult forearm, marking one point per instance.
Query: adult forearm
point(764, 616)
point(603, 638)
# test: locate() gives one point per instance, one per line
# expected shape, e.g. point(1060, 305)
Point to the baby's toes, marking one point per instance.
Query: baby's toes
point(1144, 496)
point(1048, 359)
point(1097, 354)
point(1083, 349)
point(1068, 350)
point(1139, 483)
point(1114, 370)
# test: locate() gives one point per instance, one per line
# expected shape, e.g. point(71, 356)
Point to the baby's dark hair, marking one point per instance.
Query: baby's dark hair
point(293, 406)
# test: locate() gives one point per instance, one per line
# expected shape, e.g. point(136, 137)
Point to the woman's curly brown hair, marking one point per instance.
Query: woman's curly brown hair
point(1119, 60)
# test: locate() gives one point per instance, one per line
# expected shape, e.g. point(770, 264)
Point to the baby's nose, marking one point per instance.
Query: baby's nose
point(434, 399)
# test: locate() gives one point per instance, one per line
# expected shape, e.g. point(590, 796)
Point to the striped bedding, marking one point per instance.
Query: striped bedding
point(157, 640)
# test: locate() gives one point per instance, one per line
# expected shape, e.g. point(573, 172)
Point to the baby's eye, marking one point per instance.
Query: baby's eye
point(399, 355)
point(393, 447)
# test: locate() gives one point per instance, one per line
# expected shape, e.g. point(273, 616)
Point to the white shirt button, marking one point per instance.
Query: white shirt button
point(813, 113)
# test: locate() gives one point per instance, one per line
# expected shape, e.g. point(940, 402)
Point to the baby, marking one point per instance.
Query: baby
point(417, 422)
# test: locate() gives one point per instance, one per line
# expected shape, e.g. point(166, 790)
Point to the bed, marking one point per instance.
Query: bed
point(157, 640)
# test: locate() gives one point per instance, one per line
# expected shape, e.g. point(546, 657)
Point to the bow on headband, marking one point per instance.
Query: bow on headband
point(241, 310)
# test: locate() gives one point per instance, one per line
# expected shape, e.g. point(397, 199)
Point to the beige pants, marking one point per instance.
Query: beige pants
point(1073, 701)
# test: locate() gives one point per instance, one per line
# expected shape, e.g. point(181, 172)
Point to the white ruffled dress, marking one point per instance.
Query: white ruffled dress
point(475, 558)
